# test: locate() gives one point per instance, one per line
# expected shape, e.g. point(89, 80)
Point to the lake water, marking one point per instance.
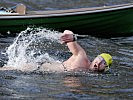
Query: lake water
point(44, 46)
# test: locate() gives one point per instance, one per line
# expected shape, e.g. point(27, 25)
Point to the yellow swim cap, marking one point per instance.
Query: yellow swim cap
point(108, 60)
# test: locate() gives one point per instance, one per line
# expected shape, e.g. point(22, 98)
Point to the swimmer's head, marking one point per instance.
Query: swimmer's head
point(101, 63)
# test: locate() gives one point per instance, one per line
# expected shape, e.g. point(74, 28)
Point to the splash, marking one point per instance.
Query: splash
point(30, 47)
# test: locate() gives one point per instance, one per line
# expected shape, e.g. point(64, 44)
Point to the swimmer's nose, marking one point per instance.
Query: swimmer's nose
point(95, 67)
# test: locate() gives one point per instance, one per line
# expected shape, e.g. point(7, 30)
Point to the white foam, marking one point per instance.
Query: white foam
point(23, 49)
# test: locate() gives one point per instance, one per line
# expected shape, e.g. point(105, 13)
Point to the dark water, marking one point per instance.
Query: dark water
point(116, 85)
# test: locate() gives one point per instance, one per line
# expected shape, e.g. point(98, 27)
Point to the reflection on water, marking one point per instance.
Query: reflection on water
point(79, 85)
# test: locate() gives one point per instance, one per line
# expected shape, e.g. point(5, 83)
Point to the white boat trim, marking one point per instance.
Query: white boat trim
point(36, 14)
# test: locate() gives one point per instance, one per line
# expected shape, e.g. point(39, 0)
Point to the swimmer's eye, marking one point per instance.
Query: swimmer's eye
point(106, 66)
point(104, 62)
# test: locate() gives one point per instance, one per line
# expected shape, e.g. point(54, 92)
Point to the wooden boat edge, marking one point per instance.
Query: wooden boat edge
point(35, 14)
point(80, 10)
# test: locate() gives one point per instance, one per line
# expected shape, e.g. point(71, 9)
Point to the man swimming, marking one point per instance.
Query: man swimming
point(77, 62)
point(79, 59)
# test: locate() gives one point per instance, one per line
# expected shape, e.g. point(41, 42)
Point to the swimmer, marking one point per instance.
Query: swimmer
point(77, 62)
point(79, 59)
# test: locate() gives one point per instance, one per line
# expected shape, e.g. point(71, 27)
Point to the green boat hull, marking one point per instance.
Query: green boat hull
point(109, 23)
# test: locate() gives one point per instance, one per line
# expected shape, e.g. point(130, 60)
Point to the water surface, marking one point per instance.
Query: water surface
point(116, 84)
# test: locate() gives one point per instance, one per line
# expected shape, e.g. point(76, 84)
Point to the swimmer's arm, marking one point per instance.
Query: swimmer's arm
point(73, 46)
point(79, 57)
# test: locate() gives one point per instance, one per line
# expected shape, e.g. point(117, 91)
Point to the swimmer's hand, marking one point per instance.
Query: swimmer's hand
point(67, 36)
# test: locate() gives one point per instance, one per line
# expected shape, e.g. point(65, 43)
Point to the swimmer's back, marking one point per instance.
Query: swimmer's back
point(52, 67)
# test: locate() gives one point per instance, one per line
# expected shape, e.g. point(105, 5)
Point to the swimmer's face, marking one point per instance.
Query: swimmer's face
point(98, 64)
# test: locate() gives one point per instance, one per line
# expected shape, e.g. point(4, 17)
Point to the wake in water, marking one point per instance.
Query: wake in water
point(30, 48)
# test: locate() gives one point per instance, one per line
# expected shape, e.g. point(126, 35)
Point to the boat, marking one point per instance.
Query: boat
point(106, 21)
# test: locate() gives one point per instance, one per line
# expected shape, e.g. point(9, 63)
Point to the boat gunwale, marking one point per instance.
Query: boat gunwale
point(57, 13)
